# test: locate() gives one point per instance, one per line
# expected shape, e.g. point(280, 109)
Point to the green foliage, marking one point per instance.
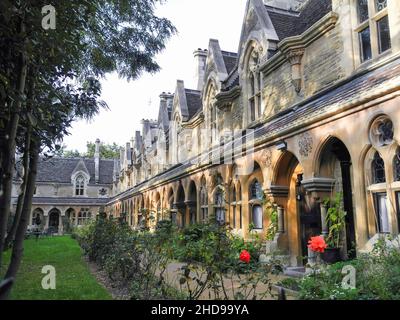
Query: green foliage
point(377, 278)
point(209, 252)
point(335, 220)
point(272, 213)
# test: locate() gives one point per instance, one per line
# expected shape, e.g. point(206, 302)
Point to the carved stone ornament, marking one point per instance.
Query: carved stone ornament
point(305, 144)
point(294, 57)
point(266, 157)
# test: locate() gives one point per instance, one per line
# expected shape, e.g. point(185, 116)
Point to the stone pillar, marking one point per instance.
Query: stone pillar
point(281, 220)
point(324, 225)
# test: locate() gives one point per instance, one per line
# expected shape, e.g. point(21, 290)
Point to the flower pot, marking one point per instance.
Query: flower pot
point(331, 255)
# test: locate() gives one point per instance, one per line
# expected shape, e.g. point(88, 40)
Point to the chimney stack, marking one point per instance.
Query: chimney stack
point(97, 161)
point(200, 57)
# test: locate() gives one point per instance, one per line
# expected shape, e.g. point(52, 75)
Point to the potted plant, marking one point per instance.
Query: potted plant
point(335, 220)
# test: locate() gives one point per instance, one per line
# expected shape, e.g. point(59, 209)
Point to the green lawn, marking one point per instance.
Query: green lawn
point(73, 278)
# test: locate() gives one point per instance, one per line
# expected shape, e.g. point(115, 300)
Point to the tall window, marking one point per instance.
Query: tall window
point(204, 202)
point(373, 28)
point(256, 208)
point(378, 169)
point(79, 185)
point(233, 207)
point(255, 85)
point(84, 216)
point(219, 206)
point(396, 165)
point(381, 210)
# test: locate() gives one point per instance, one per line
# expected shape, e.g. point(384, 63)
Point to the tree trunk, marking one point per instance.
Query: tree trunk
point(21, 196)
point(18, 247)
point(9, 152)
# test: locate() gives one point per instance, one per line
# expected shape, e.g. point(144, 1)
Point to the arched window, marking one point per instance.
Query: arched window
point(255, 86)
point(80, 185)
point(219, 205)
point(378, 169)
point(204, 201)
point(233, 206)
point(239, 206)
point(256, 195)
point(84, 216)
point(396, 165)
point(211, 116)
point(256, 192)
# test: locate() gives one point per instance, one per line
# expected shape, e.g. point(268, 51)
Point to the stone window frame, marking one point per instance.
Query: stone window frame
point(84, 215)
point(203, 201)
point(376, 189)
point(255, 85)
point(81, 190)
point(211, 112)
point(219, 205)
point(254, 82)
point(374, 16)
point(255, 201)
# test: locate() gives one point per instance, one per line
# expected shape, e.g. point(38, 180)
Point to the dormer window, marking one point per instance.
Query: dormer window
point(80, 185)
point(372, 28)
point(254, 85)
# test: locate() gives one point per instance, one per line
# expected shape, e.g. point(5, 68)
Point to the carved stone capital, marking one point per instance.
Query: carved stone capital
point(294, 56)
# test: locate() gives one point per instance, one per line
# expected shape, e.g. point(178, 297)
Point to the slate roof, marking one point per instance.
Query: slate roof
point(59, 170)
point(69, 201)
point(193, 99)
point(230, 60)
point(329, 100)
point(290, 23)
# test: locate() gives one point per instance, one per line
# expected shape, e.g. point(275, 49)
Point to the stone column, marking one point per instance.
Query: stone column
point(281, 220)
point(324, 225)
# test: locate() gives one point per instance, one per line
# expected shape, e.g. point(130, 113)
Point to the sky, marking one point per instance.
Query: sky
point(197, 21)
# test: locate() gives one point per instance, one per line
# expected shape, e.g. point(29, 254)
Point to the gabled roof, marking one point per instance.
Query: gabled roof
point(193, 100)
point(187, 102)
point(230, 60)
point(60, 170)
point(292, 23)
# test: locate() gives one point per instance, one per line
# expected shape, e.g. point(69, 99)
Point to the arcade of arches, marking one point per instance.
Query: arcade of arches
point(312, 167)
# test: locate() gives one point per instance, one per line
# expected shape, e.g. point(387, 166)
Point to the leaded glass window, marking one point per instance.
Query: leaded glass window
point(396, 165)
point(384, 34)
point(362, 7)
point(256, 191)
point(365, 44)
point(380, 4)
point(80, 186)
point(378, 169)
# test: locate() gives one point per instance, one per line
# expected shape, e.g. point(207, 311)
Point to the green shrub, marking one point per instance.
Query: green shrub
point(377, 278)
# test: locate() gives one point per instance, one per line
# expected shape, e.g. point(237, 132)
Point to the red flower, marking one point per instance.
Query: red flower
point(245, 256)
point(317, 244)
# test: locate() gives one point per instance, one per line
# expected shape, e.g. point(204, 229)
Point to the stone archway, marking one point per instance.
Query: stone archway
point(54, 220)
point(335, 163)
point(301, 221)
point(38, 218)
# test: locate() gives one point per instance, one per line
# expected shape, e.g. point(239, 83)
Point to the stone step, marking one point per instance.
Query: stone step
point(296, 272)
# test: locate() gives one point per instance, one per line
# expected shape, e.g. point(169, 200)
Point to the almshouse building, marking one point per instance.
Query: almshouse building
point(69, 191)
point(307, 108)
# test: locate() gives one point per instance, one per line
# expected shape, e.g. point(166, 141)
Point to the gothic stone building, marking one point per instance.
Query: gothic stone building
point(69, 190)
point(307, 107)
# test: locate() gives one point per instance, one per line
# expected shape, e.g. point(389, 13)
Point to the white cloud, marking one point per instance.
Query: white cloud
point(197, 21)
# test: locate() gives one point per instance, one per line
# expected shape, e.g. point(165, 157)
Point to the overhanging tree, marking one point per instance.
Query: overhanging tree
point(59, 70)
